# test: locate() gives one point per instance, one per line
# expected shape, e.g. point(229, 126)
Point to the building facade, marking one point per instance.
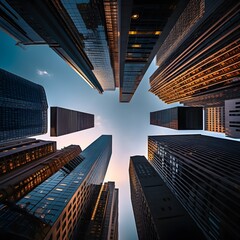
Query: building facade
point(141, 24)
point(104, 219)
point(158, 214)
point(65, 121)
point(26, 164)
point(179, 118)
point(215, 119)
point(81, 33)
point(232, 118)
point(216, 98)
point(61, 206)
point(204, 53)
point(16, 154)
point(23, 108)
point(203, 173)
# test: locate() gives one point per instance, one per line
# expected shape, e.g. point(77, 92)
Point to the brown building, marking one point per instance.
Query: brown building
point(215, 119)
point(204, 53)
point(27, 163)
point(104, 219)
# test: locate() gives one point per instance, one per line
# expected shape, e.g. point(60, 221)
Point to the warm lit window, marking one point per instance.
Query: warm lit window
point(136, 45)
point(135, 16)
point(132, 32)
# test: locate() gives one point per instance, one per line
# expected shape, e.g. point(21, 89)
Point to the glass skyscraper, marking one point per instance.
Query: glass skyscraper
point(23, 107)
point(140, 24)
point(104, 219)
point(203, 173)
point(82, 33)
point(60, 207)
point(158, 214)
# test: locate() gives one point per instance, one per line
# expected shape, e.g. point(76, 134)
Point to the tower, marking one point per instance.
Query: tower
point(78, 32)
point(104, 219)
point(23, 108)
point(179, 118)
point(61, 206)
point(27, 163)
point(203, 173)
point(141, 24)
point(204, 55)
point(65, 121)
point(158, 214)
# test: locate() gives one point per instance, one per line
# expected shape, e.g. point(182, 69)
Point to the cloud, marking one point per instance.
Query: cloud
point(98, 121)
point(43, 72)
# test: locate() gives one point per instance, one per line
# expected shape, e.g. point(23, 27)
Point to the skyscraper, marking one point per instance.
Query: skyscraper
point(104, 219)
point(77, 31)
point(214, 119)
point(60, 207)
point(215, 98)
point(64, 121)
point(179, 118)
point(204, 53)
point(158, 214)
point(232, 118)
point(203, 173)
point(141, 23)
point(27, 163)
point(23, 107)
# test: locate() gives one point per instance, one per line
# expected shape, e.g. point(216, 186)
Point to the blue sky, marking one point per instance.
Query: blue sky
point(127, 122)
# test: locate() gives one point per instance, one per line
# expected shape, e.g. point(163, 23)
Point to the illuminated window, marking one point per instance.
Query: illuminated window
point(50, 199)
point(132, 32)
point(136, 45)
point(135, 16)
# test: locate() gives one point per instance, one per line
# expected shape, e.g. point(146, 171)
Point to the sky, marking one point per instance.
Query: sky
point(128, 123)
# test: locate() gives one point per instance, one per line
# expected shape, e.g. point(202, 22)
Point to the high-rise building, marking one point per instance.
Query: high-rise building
point(214, 119)
point(232, 118)
point(65, 121)
point(104, 219)
point(27, 163)
point(203, 173)
point(61, 206)
point(215, 98)
point(82, 33)
point(179, 118)
point(220, 119)
point(23, 108)
point(204, 53)
point(141, 24)
point(158, 214)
